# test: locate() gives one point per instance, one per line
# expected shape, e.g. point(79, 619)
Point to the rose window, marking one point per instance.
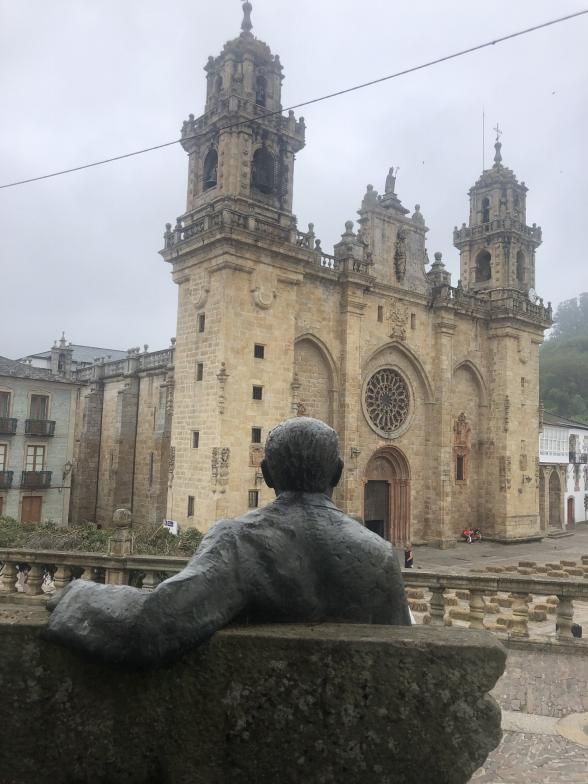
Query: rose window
point(387, 401)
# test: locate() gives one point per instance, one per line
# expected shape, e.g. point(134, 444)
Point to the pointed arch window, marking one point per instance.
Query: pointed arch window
point(485, 210)
point(520, 266)
point(210, 169)
point(218, 84)
point(483, 266)
point(263, 171)
point(260, 90)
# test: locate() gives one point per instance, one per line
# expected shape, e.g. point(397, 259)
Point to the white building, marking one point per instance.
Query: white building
point(37, 418)
point(72, 355)
point(563, 473)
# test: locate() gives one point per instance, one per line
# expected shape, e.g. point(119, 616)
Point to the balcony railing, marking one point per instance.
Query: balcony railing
point(7, 426)
point(40, 427)
point(36, 480)
point(6, 480)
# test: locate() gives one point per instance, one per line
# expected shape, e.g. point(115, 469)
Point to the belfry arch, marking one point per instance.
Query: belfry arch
point(386, 497)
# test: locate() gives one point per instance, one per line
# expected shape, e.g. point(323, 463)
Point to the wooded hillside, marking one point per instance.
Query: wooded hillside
point(564, 362)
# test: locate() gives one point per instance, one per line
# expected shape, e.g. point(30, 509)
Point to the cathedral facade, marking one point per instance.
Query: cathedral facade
point(432, 388)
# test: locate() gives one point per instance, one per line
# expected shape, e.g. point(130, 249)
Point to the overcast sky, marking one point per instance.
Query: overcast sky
point(84, 79)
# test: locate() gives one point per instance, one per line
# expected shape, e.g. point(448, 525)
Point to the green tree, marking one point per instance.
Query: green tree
point(571, 318)
point(564, 362)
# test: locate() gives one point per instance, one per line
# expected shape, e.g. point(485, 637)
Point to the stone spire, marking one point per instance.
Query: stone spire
point(246, 24)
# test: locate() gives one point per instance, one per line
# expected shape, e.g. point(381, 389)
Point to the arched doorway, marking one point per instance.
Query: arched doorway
point(555, 520)
point(386, 506)
point(571, 516)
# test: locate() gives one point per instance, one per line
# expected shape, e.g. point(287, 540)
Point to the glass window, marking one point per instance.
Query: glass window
point(460, 468)
point(259, 351)
point(256, 435)
point(257, 393)
point(195, 439)
point(3, 452)
point(4, 404)
point(253, 499)
point(190, 506)
point(35, 458)
point(199, 371)
point(201, 322)
point(39, 407)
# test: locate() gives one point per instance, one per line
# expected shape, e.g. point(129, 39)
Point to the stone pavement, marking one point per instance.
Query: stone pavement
point(533, 750)
point(478, 554)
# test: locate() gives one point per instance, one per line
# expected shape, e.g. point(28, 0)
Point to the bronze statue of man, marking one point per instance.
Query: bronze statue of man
point(297, 560)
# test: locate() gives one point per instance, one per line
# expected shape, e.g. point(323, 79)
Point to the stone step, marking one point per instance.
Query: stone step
point(556, 533)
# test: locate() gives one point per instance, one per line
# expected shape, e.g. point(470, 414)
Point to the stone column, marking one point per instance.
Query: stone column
point(442, 451)
point(352, 310)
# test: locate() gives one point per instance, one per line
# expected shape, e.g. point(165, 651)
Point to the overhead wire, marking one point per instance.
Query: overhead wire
point(309, 102)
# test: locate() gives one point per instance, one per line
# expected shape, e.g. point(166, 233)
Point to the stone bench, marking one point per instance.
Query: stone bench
point(280, 704)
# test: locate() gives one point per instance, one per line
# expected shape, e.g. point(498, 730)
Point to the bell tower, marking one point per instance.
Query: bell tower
point(242, 147)
point(497, 247)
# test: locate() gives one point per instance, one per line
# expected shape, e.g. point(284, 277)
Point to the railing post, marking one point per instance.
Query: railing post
point(34, 581)
point(564, 618)
point(150, 581)
point(88, 574)
point(477, 609)
point(120, 545)
point(61, 577)
point(8, 578)
point(437, 605)
point(520, 615)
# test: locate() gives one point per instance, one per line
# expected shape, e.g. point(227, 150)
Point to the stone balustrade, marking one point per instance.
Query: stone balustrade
point(501, 603)
point(516, 605)
point(145, 572)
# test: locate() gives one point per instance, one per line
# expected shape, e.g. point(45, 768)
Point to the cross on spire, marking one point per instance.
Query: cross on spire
point(498, 146)
point(246, 24)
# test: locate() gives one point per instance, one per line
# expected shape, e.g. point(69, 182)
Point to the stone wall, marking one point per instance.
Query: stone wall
point(282, 704)
point(122, 449)
point(549, 678)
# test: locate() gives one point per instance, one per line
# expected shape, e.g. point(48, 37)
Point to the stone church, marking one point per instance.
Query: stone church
point(432, 388)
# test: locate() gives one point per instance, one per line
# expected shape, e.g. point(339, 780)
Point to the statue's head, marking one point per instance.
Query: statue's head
point(302, 455)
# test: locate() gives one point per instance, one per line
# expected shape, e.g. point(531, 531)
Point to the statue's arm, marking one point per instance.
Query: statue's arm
point(124, 624)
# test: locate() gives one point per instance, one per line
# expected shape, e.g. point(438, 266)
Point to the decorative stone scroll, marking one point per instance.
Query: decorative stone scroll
point(504, 468)
point(506, 413)
point(255, 455)
point(220, 467)
point(387, 402)
point(263, 300)
point(222, 377)
point(398, 317)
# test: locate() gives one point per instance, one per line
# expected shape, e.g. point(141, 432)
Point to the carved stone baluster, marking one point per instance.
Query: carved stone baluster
point(150, 581)
point(520, 615)
point(564, 618)
point(87, 574)
point(8, 578)
point(477, 609)
point(34, 581)
point(437, 606)
point(61, 577)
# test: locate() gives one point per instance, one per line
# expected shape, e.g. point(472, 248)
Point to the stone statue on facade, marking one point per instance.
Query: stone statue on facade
point(390, 181)
point(298, 559)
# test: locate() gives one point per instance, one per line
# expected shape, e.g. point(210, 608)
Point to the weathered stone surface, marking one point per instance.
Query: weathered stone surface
point(326, 704)
point(547, 678)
